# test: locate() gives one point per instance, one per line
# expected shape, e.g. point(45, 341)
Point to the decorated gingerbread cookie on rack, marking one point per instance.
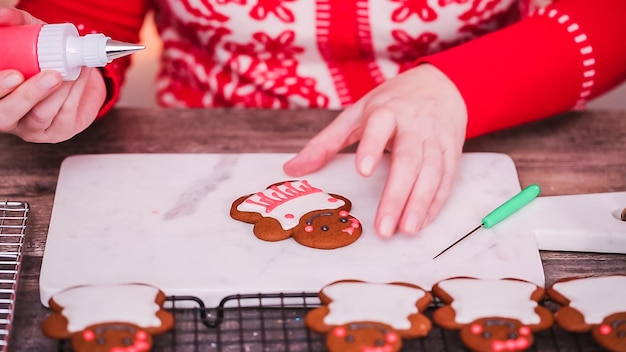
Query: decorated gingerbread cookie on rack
point(492, 315)
point(108, 318)
point(297, 209)
point(593, 304)
point(359, 316)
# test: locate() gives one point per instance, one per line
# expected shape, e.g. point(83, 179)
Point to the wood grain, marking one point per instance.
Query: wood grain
point(581, 152)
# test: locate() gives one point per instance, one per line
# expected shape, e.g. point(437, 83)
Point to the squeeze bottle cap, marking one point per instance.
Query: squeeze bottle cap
point(62, 49)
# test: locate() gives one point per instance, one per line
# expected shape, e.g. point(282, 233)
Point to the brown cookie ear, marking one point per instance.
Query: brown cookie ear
point(55, 327)
point(546, 319)
point(420, 326)
point(571, 319)
point(314, 319)
point(446, 318)
point(269, 229)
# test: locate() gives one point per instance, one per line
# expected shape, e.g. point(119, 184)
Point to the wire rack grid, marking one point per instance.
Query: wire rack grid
point(13, 218)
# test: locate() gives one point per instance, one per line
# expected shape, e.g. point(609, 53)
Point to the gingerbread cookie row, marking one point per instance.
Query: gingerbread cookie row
point(490, 315)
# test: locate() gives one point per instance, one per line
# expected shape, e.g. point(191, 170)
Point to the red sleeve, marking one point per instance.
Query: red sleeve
point(546, 64)
point(119, 19)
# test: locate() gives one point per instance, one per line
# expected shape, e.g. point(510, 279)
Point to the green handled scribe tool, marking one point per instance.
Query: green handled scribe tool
point(503, 211)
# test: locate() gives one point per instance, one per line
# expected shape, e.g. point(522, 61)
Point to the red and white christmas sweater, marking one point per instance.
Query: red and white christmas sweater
point(512, 62)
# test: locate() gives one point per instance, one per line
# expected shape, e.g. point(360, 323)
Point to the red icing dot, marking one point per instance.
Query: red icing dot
point(524, 331)
point(476, 329)
point(343, 213)
point(339, 331)
point(289, 216)
point(391, 337)
point(308, 228)
point(88, 335)
point(332, 199)
point(605, 329)
point(522, 344)
point(141, 335)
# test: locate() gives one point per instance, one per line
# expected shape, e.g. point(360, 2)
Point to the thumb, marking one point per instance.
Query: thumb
point(341, 132)
point(10, 16)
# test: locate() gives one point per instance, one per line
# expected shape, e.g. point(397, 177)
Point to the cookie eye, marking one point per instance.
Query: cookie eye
point(511, 336)
point(349, 338)
point(127, 341)
point(344, 220)
point(324, 228)
point(101, 341)
point(379, 343)
point(486, 335)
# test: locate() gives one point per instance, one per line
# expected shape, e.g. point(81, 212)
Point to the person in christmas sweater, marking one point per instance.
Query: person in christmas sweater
point(414, 77)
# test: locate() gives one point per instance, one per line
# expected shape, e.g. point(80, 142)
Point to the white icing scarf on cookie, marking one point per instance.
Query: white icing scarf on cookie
point(595, 297)
point(474, 299)
point(289, 201)
point(87, 305)
point(361, 301)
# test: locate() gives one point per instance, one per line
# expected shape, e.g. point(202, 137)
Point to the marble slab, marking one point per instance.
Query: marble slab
point(579, 222)
point(163, 219)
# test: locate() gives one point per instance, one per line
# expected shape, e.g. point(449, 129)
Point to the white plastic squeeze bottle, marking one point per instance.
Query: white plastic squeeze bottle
point(33, 48)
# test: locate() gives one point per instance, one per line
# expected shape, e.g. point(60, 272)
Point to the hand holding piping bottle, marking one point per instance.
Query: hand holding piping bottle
point(50, 100)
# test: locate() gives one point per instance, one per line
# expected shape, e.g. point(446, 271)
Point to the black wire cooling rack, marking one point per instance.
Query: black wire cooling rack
point(275, 323)
point(13, 217)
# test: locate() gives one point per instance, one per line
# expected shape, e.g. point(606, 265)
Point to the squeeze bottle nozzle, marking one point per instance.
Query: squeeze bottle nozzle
point(33, 48)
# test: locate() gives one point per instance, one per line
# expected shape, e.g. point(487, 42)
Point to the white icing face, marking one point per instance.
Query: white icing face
point(595, 297)
point(362, 301)
point(289, 201)
point(474, 299)
point(130, 303)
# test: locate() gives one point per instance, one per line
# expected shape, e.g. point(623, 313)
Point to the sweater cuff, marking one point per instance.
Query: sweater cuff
point(113, 80)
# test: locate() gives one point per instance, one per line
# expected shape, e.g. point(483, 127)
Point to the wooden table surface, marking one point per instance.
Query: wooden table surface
point(573, 153)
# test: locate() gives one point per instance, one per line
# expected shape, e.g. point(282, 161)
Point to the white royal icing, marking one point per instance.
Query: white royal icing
point(362, 301)
point(595, 297)
point(474, 299)
point(294, 198)
point(130, 303)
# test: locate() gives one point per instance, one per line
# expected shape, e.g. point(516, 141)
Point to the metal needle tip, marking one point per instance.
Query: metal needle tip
point(457, 241)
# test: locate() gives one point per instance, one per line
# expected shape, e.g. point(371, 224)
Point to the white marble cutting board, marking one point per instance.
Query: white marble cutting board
point(578, 222)
point(163, 219)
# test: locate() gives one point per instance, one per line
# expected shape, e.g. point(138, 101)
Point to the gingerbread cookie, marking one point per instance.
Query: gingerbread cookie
point(360, 316)
point(297, 209)
point(492, 315)
point(596, 304)
point(108, 317)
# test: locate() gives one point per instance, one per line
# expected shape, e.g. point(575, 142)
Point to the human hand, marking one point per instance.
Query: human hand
point(43, 108)
point(421, 118)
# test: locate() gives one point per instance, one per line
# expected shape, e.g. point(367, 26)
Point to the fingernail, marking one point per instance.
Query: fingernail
point(386, 227)
point(367, 165)
point(410, 223)
point(48, 81)
point(11, 81)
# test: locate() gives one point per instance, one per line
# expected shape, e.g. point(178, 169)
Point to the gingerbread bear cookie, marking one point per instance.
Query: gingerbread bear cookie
point(360, 316)
point(492, 315)
point(296, 209)
point(596, 304)
point(108, 317)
